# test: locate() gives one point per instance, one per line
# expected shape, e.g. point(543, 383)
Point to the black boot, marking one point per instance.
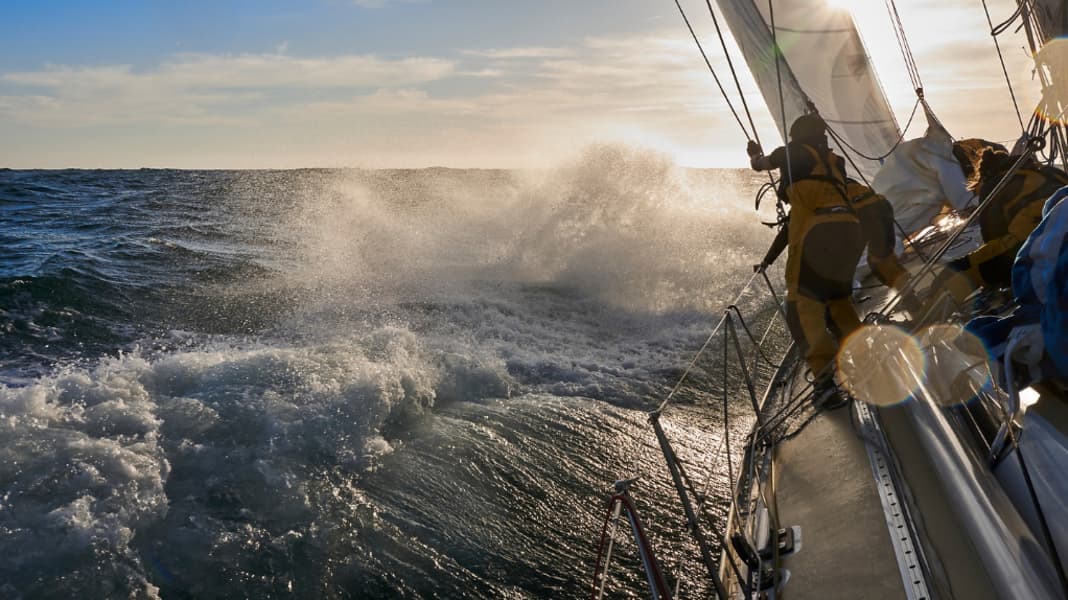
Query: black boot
point(826, 395)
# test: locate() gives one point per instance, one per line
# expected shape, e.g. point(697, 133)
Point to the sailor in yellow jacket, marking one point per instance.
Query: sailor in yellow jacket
point(825, 243)
point(876, 216)
point(1004, 224)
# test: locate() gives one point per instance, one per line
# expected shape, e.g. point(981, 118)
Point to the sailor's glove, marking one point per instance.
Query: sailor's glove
point(753, 149)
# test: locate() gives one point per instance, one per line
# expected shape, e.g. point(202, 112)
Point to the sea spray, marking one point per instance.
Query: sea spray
point(620, 224)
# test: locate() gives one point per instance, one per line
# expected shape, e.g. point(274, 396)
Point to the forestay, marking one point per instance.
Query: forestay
point(824, 62)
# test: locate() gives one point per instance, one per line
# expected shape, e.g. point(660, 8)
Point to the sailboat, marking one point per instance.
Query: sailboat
point(941, 480)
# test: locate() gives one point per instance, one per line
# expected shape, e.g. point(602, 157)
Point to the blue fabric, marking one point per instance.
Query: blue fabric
point(1035, 262)
point(1040, 278)
point(1055, 313)
point(993, 331)
point(1040, 284)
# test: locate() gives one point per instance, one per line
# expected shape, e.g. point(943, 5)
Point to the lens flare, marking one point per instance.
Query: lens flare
point(957, 365)
point(1052, 60)
point(880, 364)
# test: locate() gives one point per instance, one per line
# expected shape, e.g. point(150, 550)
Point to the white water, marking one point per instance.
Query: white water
point(490, 320)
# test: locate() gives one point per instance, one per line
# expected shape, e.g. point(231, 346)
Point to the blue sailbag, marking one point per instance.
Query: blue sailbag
point(1035, 335)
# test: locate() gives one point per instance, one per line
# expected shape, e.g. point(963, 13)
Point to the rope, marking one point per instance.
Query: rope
point(778, 83)
point(752, 339)
point(726, 411)
point(704, 346)
point(1004, 69)
point(906, 50)
point(1004, 25)
point(787, 411)
point(844, 144)
point(734, 74)
point(714, 76)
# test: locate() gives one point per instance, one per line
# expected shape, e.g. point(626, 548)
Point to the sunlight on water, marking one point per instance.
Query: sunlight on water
point(873, 360)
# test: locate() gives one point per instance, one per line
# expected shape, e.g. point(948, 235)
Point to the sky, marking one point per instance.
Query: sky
point(417, 83)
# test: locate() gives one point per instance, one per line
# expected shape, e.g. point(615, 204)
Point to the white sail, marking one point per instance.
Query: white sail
point(825, 62)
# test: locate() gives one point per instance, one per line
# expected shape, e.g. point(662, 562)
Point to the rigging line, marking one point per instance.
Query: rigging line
point(737, 83)
point(842, 142)
point(1002, 27)
point(713, 465)
point(713, 71)
point(638, 441)
point(1004, 69)
point(704, 347)
point(734, 74)
point(778, 81)
point(726, 406)
point(864, 179)
point(789, 408)
point(906, 49)
point(752, 339)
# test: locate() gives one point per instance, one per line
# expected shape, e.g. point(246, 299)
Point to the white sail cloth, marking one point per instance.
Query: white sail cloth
point(920, 178)
point(825, 62)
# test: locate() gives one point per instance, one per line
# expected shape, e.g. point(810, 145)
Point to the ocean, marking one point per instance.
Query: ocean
point(360, 383)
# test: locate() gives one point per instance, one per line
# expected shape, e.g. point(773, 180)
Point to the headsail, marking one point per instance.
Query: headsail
point(824, 62)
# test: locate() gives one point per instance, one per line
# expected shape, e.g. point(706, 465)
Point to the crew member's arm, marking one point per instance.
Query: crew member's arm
point(777, 246)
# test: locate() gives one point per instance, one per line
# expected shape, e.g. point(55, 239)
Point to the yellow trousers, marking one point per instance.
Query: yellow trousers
point(817, 327)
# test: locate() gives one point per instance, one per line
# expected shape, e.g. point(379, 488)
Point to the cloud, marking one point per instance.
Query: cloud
point(198, 88)
point(526, 52)
point(191, 71)
point(520, 106)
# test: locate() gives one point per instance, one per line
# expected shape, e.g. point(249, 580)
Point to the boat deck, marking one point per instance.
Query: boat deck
point(824, 483)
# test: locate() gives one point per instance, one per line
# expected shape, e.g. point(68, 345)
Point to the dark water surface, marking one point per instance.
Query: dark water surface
point(354, 384)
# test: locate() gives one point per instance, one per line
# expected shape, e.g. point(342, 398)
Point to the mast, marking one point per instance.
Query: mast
point(1044, 22)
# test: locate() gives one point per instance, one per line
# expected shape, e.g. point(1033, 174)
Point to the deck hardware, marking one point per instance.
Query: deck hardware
point(765, 571)
point(785, 541)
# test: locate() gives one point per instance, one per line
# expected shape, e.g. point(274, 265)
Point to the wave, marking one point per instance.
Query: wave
point(621, 224)
point(250, 413)
point(95, 457)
